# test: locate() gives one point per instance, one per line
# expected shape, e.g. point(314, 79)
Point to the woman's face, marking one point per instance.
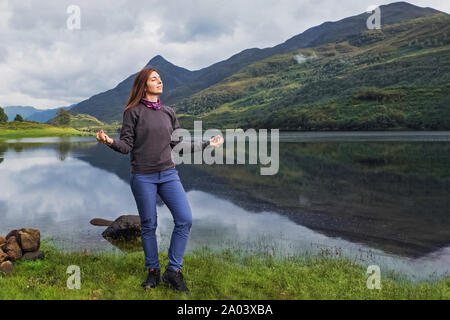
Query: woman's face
point(154, 84)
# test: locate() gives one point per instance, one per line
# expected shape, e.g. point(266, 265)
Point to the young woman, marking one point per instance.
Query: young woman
point(146, 133)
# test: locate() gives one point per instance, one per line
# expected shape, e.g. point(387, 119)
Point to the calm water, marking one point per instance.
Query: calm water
point(377, 197)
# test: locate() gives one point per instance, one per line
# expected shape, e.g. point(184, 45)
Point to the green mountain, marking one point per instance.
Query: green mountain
point(397, 77)
point(180, 83)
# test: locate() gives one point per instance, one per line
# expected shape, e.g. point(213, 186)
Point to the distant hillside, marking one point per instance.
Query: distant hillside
point(24, 111)
point(180, 83)
point(43, 116)
point(32, 113)
point(86, 123)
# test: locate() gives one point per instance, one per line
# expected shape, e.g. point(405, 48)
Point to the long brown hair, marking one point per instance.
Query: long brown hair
point(138, 88)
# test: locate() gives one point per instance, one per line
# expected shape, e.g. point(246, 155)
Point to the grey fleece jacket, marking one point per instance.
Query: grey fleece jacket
point(146, 133)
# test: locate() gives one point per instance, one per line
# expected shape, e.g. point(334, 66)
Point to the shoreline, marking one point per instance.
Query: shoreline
point(31, 129)
point(53, 131)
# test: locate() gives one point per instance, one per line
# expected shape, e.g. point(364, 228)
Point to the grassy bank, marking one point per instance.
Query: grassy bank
point(31, 129)
point(225, 275)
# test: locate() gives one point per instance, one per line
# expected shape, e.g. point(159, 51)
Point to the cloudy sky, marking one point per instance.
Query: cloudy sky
point(45, 64)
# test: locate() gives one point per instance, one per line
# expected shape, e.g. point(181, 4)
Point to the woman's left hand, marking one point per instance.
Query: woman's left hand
point(216, 141)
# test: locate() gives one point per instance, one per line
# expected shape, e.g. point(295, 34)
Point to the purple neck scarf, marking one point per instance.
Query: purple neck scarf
point(155, 105)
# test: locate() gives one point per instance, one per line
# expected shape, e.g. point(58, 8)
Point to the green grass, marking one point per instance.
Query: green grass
point(32, 129)
point(230, 274)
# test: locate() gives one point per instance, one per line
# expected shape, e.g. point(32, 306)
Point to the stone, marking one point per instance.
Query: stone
point(3, 256)
point(34, 232)
point(13, 249)
point(7, 267)
point(126, 227)
point(2, 242)
point(30, 239)
point(14, 233)
point(101, 222)
point(33, 255)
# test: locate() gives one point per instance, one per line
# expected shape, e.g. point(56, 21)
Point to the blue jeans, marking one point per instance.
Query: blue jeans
point(168, 185)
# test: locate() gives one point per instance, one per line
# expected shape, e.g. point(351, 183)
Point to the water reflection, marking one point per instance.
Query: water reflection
point(381, 203)
point(58, 197)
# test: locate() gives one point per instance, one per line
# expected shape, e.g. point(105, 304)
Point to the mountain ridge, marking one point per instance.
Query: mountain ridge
point(180, 83)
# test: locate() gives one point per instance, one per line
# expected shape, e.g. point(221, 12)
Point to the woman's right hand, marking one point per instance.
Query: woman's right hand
point(103, 138)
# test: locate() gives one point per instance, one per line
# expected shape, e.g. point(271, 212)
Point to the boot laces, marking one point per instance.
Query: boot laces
point(179, 274)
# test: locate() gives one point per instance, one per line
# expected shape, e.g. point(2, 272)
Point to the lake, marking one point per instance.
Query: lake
point(377, 197)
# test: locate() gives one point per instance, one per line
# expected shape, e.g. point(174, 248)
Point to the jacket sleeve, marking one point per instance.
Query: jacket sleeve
point(193, 145)
point(127, 134)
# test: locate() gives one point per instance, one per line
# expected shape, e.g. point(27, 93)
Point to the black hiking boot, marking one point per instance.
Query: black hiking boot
point(175, 280)
point(153, 278)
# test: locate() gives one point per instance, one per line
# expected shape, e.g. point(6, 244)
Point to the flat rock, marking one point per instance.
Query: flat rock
point(33, 255)
point(126, 227)
point(101, 222)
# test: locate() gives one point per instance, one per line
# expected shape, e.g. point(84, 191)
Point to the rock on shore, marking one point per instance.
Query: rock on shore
point(18, 244)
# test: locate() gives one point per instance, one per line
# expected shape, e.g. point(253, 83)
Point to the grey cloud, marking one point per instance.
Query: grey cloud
point(99, 16)
point(33, 15)
point(197, 29)
point(3, 54)
point(199, 20)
